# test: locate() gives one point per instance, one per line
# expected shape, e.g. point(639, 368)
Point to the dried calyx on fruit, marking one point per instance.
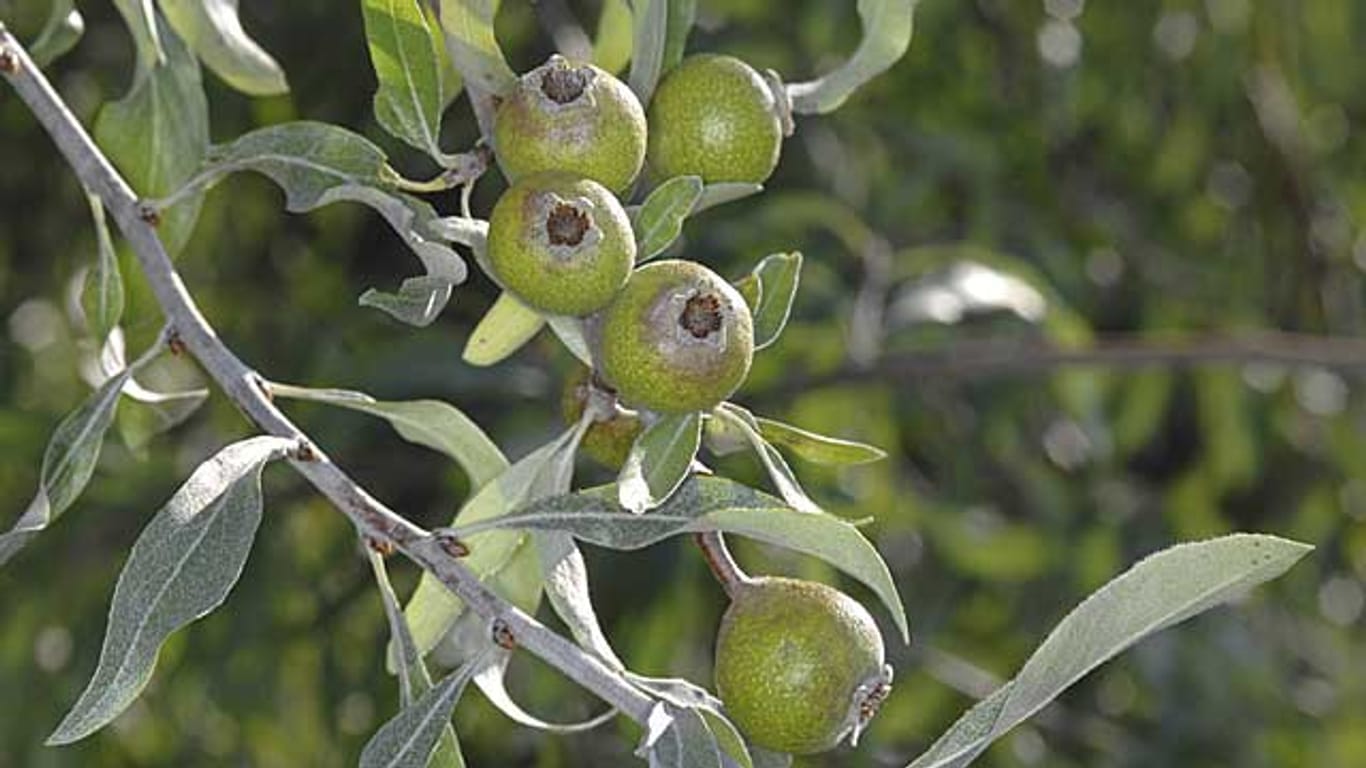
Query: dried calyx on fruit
point(565, 116)
point(677, 338)
point(715, 117)
point(799, 665)
point(608, 441)
point(561, 243)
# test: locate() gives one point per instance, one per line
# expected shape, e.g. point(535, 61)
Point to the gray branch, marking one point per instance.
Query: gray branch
point(247, 390)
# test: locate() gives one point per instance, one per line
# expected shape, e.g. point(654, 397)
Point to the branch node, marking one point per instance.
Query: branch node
point(382, 547)
point(174, 343)
point(502, 635)
point(9, 61)
point(305, 451)
point(450, 544)
point(149, 214)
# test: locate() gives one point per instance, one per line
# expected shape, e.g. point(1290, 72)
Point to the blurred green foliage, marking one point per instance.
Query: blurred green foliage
point(1150, 167)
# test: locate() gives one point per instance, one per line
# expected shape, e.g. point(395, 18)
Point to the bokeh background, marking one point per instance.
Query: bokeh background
point(1054, 171)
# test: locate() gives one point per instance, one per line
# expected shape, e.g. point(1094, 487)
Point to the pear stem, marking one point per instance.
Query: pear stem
point(719, 560)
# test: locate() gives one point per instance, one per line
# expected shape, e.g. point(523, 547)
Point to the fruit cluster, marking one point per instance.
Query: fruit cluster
point(799, 665)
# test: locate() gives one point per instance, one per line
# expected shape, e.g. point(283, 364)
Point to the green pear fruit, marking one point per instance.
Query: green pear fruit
point(713, 116)
point(563, 244)
point(566, 116)
point(677, 338)
point(799, 665)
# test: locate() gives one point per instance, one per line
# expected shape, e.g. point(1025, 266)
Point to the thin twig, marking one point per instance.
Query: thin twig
point(244, 387)
point(719, 560)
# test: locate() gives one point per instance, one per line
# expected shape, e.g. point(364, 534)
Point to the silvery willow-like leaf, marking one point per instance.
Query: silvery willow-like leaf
point(682, 14)
point(473, 47)
point(725, 192)
point(815, 448)
point(433, 609)
point(1161, 590)
point(490, 678)
point(505, 328)
point(566, 584)
point(571, 333)
point(140, 17)
point(778, 471)
point(409, 57)
point(158, 133)
point(649, 39)
point(414, 679)
point(102, 295)
point(778, 276)
point(60, 33)
point(704, 504)
point(887, 26)
point(659, 461)
point(432, 423)
point(182, 566)
point(678, 737)
point(659, 221)
point(70, 458)
point(682, 693)
point(214, 32)
point(612, 40)
point(409, 739)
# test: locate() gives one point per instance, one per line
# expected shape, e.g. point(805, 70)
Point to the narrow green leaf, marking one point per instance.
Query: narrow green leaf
point(659, 461)
point(649, 38)
point(409, 56)
point(158, 134)
point(751, 290)
point(102, 294)
point(682, 693)
point(140, 17)
point(678, 737)
point(707, 504)
point(182, 567)
point(887, 26)
point(432, 423)
point(784, 479)
point(725, 192)
point(408, 740)
point(414, 679)
point(660, 219)
point(682, 14)
point(815, 448)
point(473, 46)
point(214, 32)
point(60, 33)
point(433, 609)
point(417, 302)
point(508, 325)
point(778, 276)
point(68, 463)
point(573, 335)
point(565, 577)
point(490, 678)
point(1161, 590)
point(612, 42)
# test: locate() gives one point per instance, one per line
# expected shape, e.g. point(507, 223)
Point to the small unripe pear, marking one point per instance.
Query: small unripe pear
point(565, 116)
point(561, 243)
point(607, 442)
point(799, 665)
point(676, 339)
point(713, 116)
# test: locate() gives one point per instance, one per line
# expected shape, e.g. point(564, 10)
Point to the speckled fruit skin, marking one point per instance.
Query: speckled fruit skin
point(790, 656)
point(653, 361)
point(606, 442)
point(547, 273)
point(713, 116)
point(600, 134)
